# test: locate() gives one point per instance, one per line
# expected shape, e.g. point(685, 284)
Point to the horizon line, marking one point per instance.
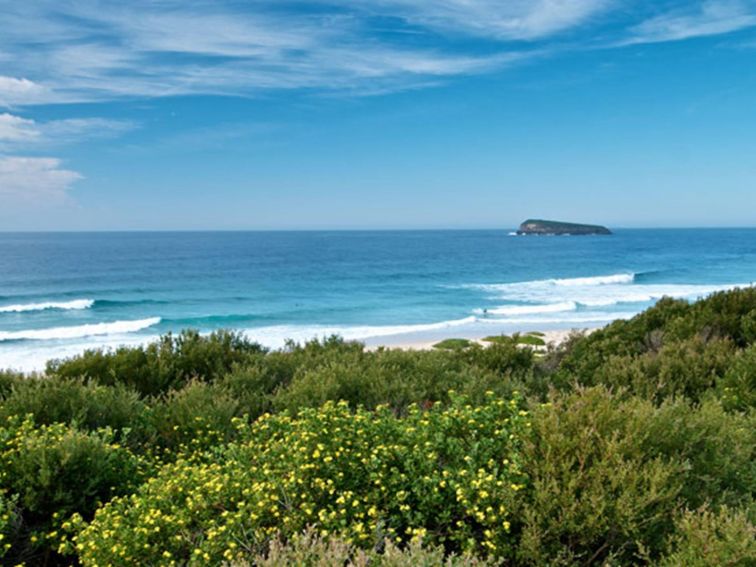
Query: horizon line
point(440, 229)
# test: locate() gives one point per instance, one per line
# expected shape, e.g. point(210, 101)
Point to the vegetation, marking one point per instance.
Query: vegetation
point(633, 445)
point(453, 344)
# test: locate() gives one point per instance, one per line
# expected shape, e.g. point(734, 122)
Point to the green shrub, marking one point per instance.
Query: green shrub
point(164, 365)
point(727, 316)
point(8, 380)
point(717, 449)
point(9, 523)
point(737, 388)
point(195, 418)
point(704, 538)
point(54, 471)
point(530, 340)
point(594, 492)
point(448, 475)
point(687, 368)
point(453, 344)
point(398, 378)
point(88, 405)
point(502, 357)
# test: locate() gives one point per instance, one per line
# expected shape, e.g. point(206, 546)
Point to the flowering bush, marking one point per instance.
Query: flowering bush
point(448, 475)
point(8, 523)
point(54, 471)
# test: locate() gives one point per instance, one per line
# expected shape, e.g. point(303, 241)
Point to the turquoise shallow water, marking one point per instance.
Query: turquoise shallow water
point(61, 293)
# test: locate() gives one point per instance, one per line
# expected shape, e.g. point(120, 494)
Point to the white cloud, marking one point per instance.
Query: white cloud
point(14, 129)
point(17, 132)
point(713, 17)
point(15, 91)
point(34, 180)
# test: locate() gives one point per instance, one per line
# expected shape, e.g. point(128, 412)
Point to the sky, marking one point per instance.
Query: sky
point(376, 114)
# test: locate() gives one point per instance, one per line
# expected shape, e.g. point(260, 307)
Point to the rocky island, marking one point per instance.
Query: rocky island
point(551, 228)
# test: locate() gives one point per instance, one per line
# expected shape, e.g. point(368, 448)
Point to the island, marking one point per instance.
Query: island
point(558, 228)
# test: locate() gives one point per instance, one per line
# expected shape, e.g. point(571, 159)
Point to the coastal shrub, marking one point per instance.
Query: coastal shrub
point(8, 379)
point(717, 449)
point(630, 337)
point(87, 404)
point(310, 549)
point(705, 537)
point(727, 316)
point(195, 418)
point(595, 493)
point(394, 377)
point(163, 365)
point(737, 388)
point(255, 384)
point(530, 339)
point(53, 471)
point(448, 475)
point(453, 344)
point(686, 368)
point(504, 357)
point(9, 523)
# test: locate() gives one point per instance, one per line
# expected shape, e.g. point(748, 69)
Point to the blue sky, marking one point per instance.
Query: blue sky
point(376, 113)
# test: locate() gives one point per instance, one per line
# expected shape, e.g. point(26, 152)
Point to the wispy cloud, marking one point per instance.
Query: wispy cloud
point(53, 52)
point(17, 132)
point(90, 51)
point(34, 180)
point(713, 17)
point(508, 20)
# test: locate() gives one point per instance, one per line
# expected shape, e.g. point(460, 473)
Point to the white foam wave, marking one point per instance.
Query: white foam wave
point(591, 294)
point(530, 309)
point(597, 280)
point(79, 331)
point(73, 304)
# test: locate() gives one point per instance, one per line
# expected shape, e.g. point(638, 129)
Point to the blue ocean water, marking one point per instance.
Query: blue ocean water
point(63, 292)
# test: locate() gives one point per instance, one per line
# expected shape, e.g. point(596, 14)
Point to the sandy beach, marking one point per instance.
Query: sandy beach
point(551, 337)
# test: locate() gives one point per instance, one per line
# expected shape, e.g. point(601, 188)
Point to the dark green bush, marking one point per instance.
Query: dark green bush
point(8, 379)
point(737, 388)
point(687, 368)
point(717, 449)
point(164, 365)
point(87, 404)
point(453, 344)
point(594, 492)
point(195, 418)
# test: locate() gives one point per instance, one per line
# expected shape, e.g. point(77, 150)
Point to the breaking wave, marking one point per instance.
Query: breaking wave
point(65, 305)
point(79, 331)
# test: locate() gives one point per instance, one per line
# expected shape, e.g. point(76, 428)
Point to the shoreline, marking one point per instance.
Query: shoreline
point(552, 337)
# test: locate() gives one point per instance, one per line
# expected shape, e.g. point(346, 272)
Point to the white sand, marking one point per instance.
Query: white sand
point(552, 337)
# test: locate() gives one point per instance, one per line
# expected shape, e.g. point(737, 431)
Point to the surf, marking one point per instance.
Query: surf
point(75, 304)
point(79, 331)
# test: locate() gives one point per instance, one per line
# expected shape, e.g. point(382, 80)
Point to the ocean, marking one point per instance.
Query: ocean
point(61, 293)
